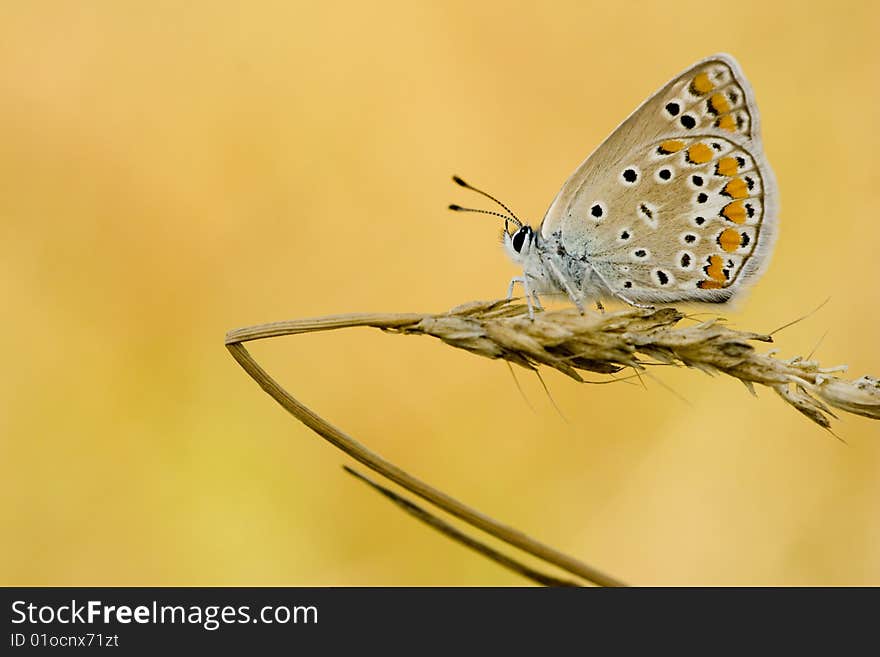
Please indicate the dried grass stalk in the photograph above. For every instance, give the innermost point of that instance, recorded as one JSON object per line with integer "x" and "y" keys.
{"x": 460, "y": 537}
{"x": 570, "y": 343}
{"x": 374, "y": 461}
{"x": 606, "y": 343}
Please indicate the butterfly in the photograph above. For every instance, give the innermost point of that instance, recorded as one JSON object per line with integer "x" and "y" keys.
{"x": 677, "y": 204}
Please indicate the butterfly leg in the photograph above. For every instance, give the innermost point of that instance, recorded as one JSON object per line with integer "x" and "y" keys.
{"x": 529, "y": 295}
{"x": 635, "y": 304}
{"x": 537, "y": 301}
{"x": 575, "y": 299}
{"x": 513, "y": 282}
{"x": 620, "y": 296}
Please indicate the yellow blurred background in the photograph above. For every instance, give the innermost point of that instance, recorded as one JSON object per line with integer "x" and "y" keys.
{"x": 174, "y": 170}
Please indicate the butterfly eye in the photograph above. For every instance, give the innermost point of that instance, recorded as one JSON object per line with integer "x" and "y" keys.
{"x": 519, "y": 239}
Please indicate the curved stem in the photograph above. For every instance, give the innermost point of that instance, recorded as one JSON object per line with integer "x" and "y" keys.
{"x": 373, "y": 460}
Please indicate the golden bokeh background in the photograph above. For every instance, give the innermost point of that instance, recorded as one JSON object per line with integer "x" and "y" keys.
{"x": 174, "y": 170}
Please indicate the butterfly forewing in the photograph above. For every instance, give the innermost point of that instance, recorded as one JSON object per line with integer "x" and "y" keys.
{"x": 678, "y": 203}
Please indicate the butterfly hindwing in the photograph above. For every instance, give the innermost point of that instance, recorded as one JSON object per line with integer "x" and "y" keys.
{"x": 691, "y": 222}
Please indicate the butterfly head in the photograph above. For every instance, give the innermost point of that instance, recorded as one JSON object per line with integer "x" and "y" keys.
{"x": 519, "y": 245}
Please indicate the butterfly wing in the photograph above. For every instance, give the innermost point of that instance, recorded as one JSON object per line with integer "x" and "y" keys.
{"x": 678, "y": 203}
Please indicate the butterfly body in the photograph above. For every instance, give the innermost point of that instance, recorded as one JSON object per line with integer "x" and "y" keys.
{"x": 550, "y": 270}
{"x": 677, "y": 204}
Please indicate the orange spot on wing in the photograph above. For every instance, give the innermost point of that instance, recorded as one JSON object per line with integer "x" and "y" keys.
{"x": 699, "y": 153}
{"x": 730, "y": 240}
{"x": 727, "y": 122}
{"x": 701, "y": 84}
{"x": 709, "y": 285}
{"x": 715, "y": 269}
{"x": 671, "y": 146}
{"x": 735, "y": 212}
{"x": 736, "y": 188}
{"x": 727, "y": 166}
{"x": 718, "y": 104}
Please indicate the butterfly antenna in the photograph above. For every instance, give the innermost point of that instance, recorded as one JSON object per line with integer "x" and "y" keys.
{"x": 462, "y": 183}
{"x": 458, "y": 208}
